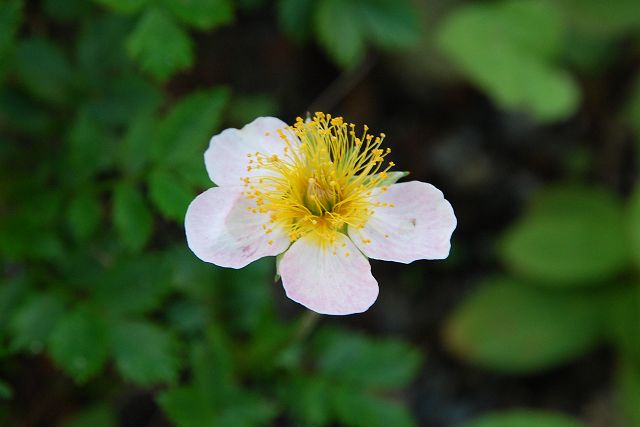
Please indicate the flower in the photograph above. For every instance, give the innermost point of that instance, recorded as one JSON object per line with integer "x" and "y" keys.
{"x": 323, "y": 198}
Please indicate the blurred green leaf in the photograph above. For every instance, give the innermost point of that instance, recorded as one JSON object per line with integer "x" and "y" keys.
{"x": 5, "y": 390}
{"x": 602, "y": 19}
{"x": 136, "y": 146}
{"x": 524, "y": 418}
{"x": 187, "y": 407}
{"x": 295, "y": 17}
{"x": 364, "y": 362}
{"x": 144, "y": 353}
{"x": 185, "y": 131}
{"x": 97, "y": 416}
{"x": 43, "y": 69}
{"x": 390, "y": 24}
{"x": 66, "y": 10}
{"x": 34, "y": 320}
{"x": 633, "y": 222}
{"x": 83, "y": 214}
{"x": 90, "y": 148}
{"x": 170, "y": 195}
{"x": 131, "y": 216}
{"x": 20, "y": 113}
{"x": 133, "y": 285}
{"x": 510, "y": 49}
{"x": 160, "y": 45}
{"x": 623, "y": 320}
{"x": 247, "y": 410}
{"x": 339, "y": 31}
{"x": 10, "y": 19}
{"x": 628, "y": 390}
{"x": 308, "y": 400}
{"x": 79, "y": 345}
{"x": 124, "y": 6}
{"x": 508, "y": 327}
{"x": 201, "y": 14}
{"x": 11, "y": 294}
{"x": 356, "y": 409}
{"x": 571, "y": 237}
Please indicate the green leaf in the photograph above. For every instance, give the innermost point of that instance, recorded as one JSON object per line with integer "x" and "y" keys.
{"x": 11, "y": 294}
{"x": 137, "y": 144}
{"x": 508, "y": 327}
{"x": 356, "y": 409}
{"x": 83, "y": 214}
{"x": 124, "y": 6}
{"x": 628, "y": 390}
{"x": 67, "y": 10}
{"x": 134, "y": 286}
{"x": 79, "y": 345}
{"x": 131, "y": 216}
{"x": 33, "y": 321}
{"x": 144, "y": 353}
{"x": 571, "y": 237}
{"x": 365, "y": 362}
{"x": 601, "y": 19}
{"x": 90, "y": 148}
{"x": 340, "y": 32}
{"x": 160, "y": 45}
{"x": 245, "y": 108}
{"x": 5, "y": 390}
{"x": 509, "y": 49}
{"x": 295, "y": 18}
{"x": 43, "y": 69}
{"x": 633, "y": 221}
{"x": 201, "y": 14}
{"x": 308, "y": 400}
{"x": 524, "y": 418}
{"x": 247, "y": 410}
{"x": 622, "y": 312}
{"x": 10, "y": 19}
{"x": 187, "y": 407}
{"x": 97, "y": 416}
{"x": 391, "y": 24}
{"x": 185, "y": 131}
{"x": 169, "y": 195}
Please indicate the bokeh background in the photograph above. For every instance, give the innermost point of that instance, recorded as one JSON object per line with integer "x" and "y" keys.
{"x": 525, "y": 113}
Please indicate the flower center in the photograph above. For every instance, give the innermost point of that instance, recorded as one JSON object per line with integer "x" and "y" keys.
{"x": 323, "y": 181}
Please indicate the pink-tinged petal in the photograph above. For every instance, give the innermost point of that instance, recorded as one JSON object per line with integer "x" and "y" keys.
{"x": 226, "y": 158}
{"x": 413, "y": 221}
{"x": 221, "y": 230}
{"x": 328, "y": 279}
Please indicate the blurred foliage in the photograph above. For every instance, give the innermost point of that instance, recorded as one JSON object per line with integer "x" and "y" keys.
{"x": 100, "y": 154}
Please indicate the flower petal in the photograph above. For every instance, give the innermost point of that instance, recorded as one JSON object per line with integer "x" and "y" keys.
{"x": 221, "y": 230}
{"x": 417, "y": 224}
{"x": 328, "y": 279}
{"x": 226, "y": 158}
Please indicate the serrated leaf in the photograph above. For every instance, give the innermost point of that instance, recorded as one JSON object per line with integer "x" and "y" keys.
{"x": 32, "y": 322}
{"x": 83, "y": 214}
{"x": 495, "y": 45}
{"x": 571, "y": 237}
{"x": 124, "y": 6}
{"x": 524, "y": 418}
{"x": 201, "y": 14}
{"x": 340, "y": 32}
{"x": 133, "y": 285}
{"x": 356, "y": 409}
{"x": 144, "y": 353}
{"x": 79, "y": 345}
{"x": 509, "y": 327}
{"x": 160, "y": 45}
{"x": 131, "y": 216}
{"x": 365, "y": 362}
{"x": 185, "y": 131}
{"x": 43, "y": 69}
{"x": 169, "y": 195}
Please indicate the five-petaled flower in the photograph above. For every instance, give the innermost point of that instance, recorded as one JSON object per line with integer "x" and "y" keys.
{"x": 321, "y": 195}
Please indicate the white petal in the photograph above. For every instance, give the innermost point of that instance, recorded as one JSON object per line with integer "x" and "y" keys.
{"x": 418, "y": 225}
{"x": 226, "y": 158}
{"x": 221, "y": 230}
{"x": 328, "y": 279}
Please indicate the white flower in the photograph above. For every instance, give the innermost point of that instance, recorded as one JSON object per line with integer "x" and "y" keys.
{"x": 319, "y": 194}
